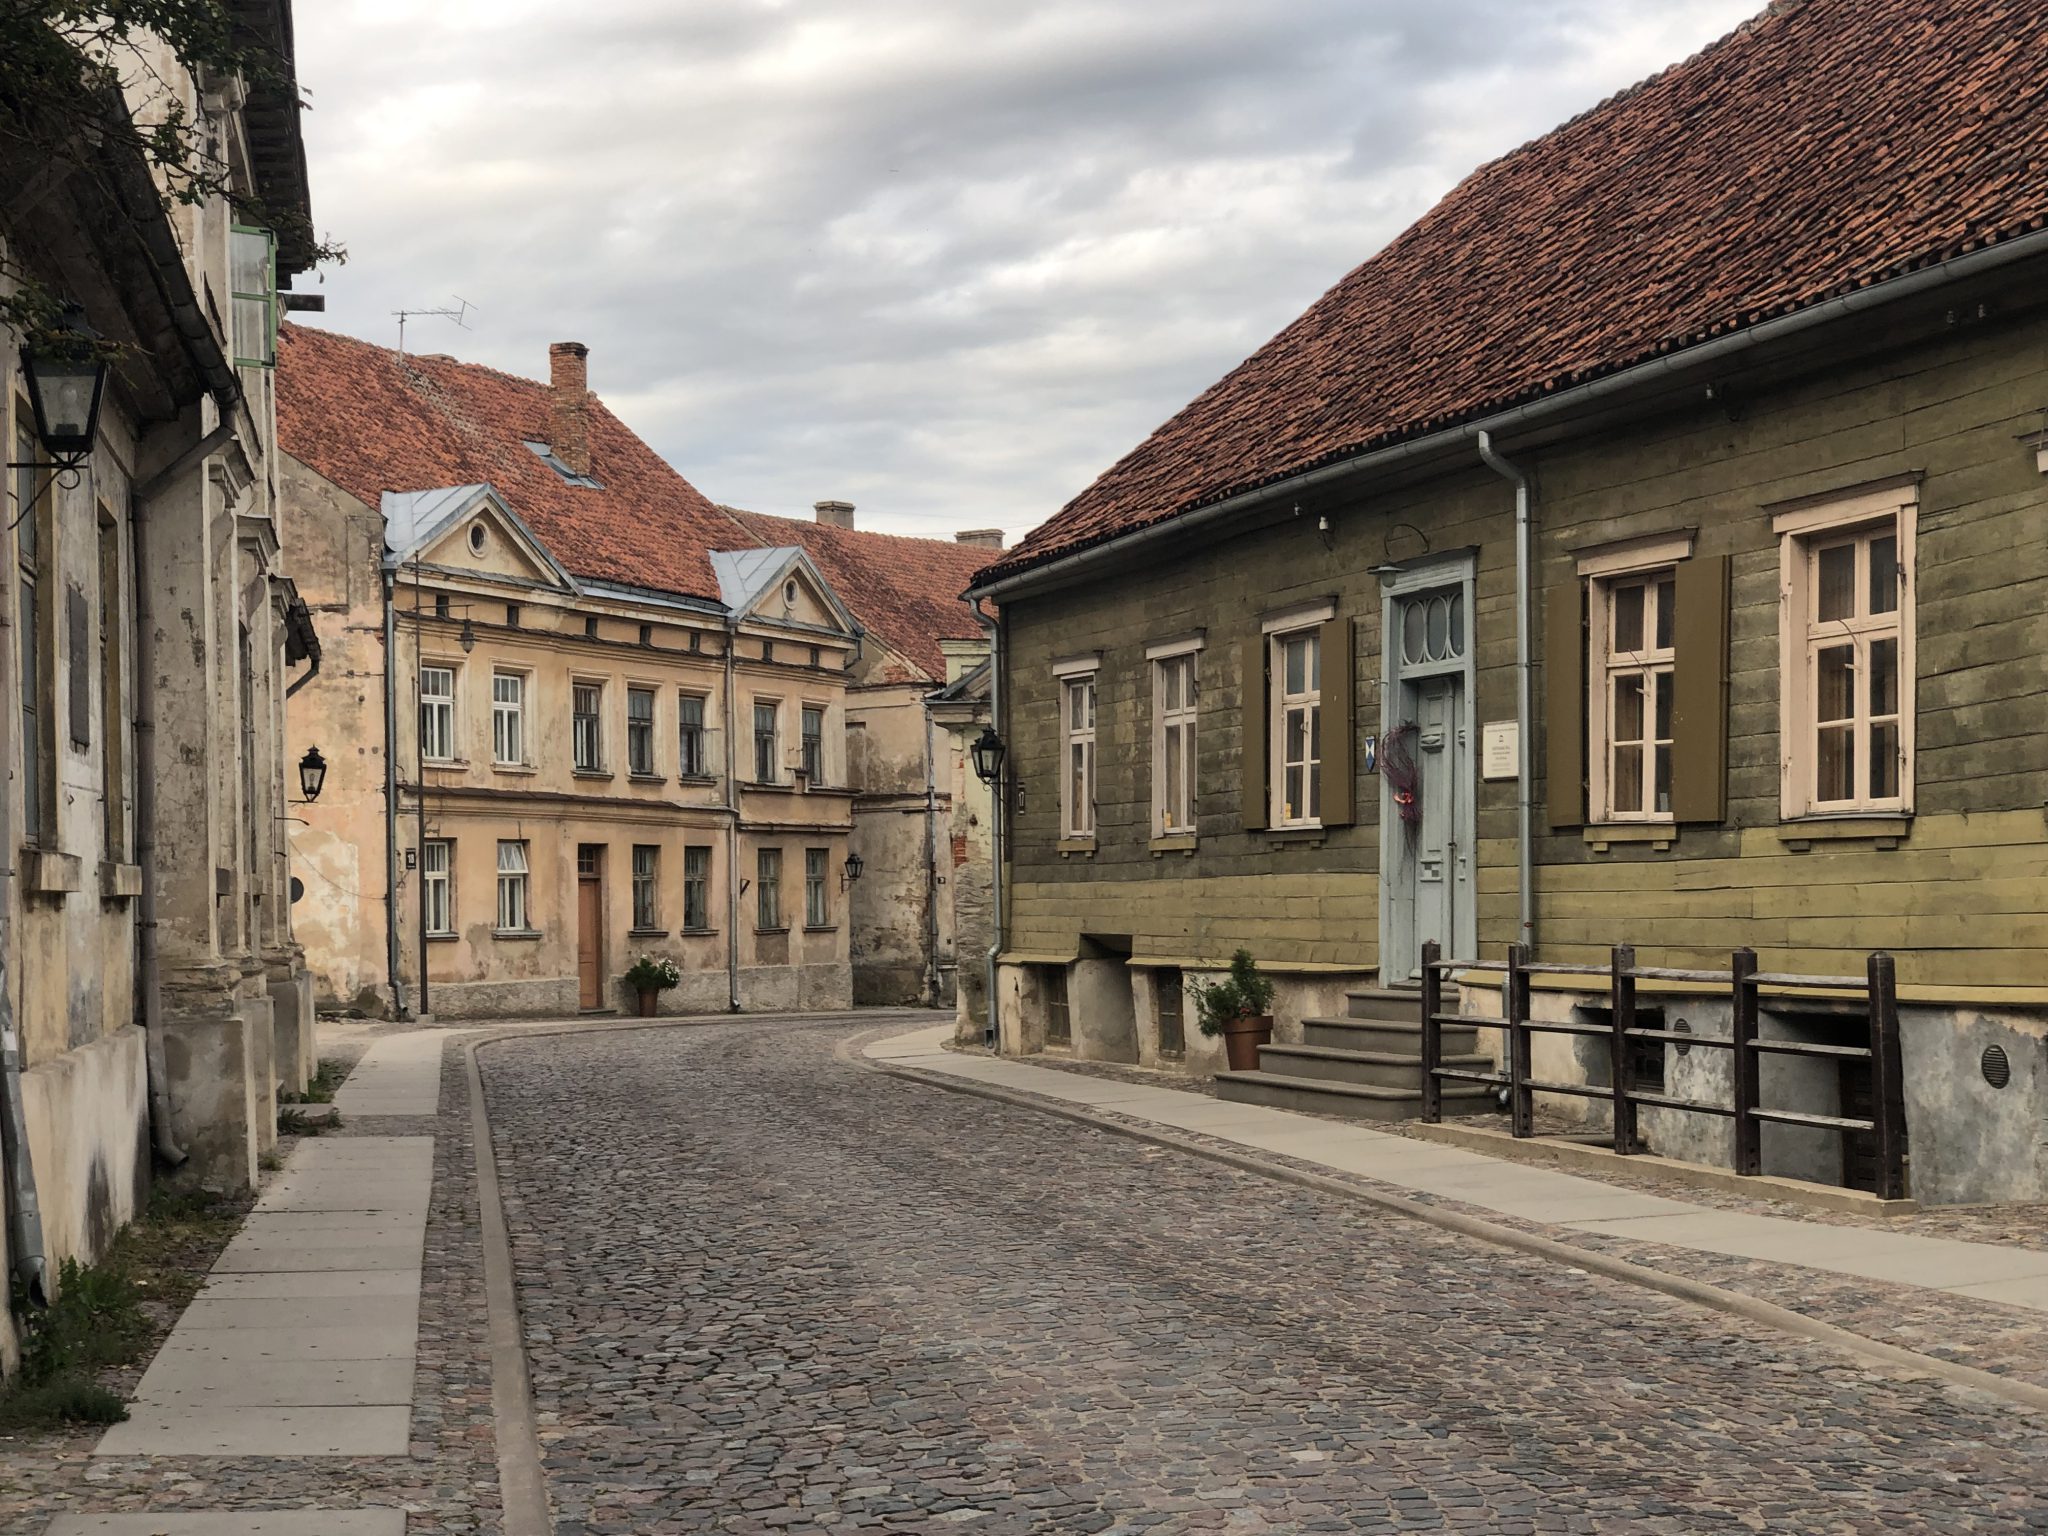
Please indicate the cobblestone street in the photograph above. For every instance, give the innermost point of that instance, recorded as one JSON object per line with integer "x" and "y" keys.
{"x": 765, "y": 1289}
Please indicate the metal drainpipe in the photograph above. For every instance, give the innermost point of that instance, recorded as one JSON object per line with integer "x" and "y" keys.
{"x": 1525, "y": 889}
{"x": 151, "y": 979}
{"x": 991, "y": 1034}
{"x": 391, "y": 798}
{"x": 931, "y": 868}
{"x": 732, "y": 806}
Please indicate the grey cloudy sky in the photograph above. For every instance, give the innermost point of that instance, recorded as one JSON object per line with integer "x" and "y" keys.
{"x": 946, "y": 260}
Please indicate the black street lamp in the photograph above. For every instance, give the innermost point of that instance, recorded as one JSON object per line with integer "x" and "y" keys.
{"x": 66, "y": 376}
{"x": 988, "y": 752}
{"x": 312, "y": 774}
{"x": 856, "y": 866}
{"x": 468, "y": 637}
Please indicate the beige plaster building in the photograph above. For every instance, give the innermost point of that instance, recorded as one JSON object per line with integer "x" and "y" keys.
{"x": 579, "y": 715}
{"x": 152, "y": 630}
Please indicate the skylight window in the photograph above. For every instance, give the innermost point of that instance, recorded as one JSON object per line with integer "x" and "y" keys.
{"x": 547, "y": 456}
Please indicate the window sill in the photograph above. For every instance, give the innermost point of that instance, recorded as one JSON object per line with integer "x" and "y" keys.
{"x": 1659, "y": 835}
{"x": 1882, "y": 830}
{"x": 646, "y": 933}
{"x": 698, "y": 933}
{"x": 446, "y": 938}
{"x": 1069, "y": 846}
{"x": 51, "y": 873}
{"x": 446, "y": 764}
{"x": 770, "y": 932}
{"x": 516, "y": 934}
{"x": 767, "y": 787}
{"x": 646, "y": 778}
{"x": 119, "y": 882}
{"x": 525, "y": 768}
{"x": 1284, "y": 837}
{"x": 1173, "y": 842}
{"x": 592, "y": 773}
{"x": 821, "y": 927}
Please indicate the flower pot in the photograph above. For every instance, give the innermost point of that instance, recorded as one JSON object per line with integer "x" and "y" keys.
{"x": 1242, "y": 1038}
{"x": 648, "y": 1000}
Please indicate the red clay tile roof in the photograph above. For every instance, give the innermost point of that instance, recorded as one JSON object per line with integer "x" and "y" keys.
{"x": 371, "y": 424}
{"x": 1821, "y": 147}
{"x": 907, "y": 591}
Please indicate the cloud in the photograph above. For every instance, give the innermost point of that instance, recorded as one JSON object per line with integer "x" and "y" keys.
{"x": 946, "y": 261}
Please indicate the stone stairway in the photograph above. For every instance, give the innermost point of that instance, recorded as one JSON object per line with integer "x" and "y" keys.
{"x": 1367, "y": 1066}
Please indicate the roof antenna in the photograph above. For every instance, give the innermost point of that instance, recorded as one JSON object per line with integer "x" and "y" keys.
{"x": 460, "y": 316}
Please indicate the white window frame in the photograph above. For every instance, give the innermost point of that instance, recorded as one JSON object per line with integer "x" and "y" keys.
{"x": 594, "y": 731}
{"x": 1077, "y": 685}
{"x": 1180, "y": 722}
{"x": 1606, "y": 569}
{"x": 515, "y": 889}
{"x": 1282, "y": 629}
{"x": 439, "y": 706}
{"x": 1803, "y": 531}
{"x": 437, "y": 880}
{"x": 508, "y": 719}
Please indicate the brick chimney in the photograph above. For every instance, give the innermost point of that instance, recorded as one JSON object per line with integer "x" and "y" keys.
{"x": 981, "y": 538}
{"x": 834, "y": 514}
{"x": 569, "y": 371}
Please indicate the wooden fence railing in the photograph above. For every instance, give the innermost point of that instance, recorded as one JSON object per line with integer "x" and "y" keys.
{"x": 1745, "y": 986}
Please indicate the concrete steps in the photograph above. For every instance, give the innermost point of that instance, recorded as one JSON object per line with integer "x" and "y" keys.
{"x": 1366, "y": 1066}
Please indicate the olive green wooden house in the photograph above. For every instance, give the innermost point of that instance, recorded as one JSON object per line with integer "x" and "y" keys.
{"x": 1760, "y": 373}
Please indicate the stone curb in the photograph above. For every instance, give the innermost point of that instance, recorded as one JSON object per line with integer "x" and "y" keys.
{"x": 1900, "y": 1362}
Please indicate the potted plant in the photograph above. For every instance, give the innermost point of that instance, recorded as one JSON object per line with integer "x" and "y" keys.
{"x": 649, "y": 977}
{"x": 1239, "y": 1008}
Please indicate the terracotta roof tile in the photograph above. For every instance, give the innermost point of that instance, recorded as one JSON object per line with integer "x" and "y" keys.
{"x": 372, "y": 422}
{"x": 1823, "y": 146}
{"x": 905, "y": 590}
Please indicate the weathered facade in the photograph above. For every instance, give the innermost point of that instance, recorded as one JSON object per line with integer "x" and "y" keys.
{"x": 584, "y": 769}
{"x": 961, "y": 711}
{"x": 1781, "y": 604}
{"x": 145, "y": 920}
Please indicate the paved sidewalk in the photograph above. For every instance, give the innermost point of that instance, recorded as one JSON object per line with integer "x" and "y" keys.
{"x": 2016, "y": 1277}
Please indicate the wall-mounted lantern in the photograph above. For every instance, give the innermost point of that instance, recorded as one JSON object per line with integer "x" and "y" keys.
{"x": 988, "y": 752}
{"x": 65, "y": 373}
{"x": 312, "y": 774}
{"x": 856, "y": 866}
{"x": 468, "y": 637}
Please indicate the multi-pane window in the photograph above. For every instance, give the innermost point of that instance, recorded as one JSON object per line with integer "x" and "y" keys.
{"x": 513, "y": 912}
{"x": 1297, "y": 661}
{"x": 1077, "y": 779}
{"x": 696, "y": 889}
{"x": 690, "y": 735}
{"x": 1637, "y": 618}
{"x": 640, "y": 730}
{"x": 436, "y": 868}
{"x": 28, "y": 620}
{"x": 586, "y": 725}
{"x": 817, "y": 906}
{"x": 508, "y": 718}
{"x": 1852, "y": 660}
{"x": 814, "y": 743}
{"x": 765, "y": 756}
{"x": 252, "y": 280}
{"x": 646, "y": 886}
{"x": 1173, "y": 743}
{"x": 437, "y": 714}
{"x": 768, "y": 889}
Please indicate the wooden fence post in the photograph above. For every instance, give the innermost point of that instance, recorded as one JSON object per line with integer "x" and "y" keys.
{"x": 1749, "y": 1157}
{"x": 1515, "y": 1001}
{"x": 1888, "y": 1077}
{"x": 1622, "y": 1003}
{"x": 1432, "y": 1034}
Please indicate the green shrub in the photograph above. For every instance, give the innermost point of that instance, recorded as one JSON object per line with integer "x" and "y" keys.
{"x": 1243, "y": 994}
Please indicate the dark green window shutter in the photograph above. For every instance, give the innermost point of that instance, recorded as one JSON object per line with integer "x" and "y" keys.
{"x": 1339, "y": 639}
{"x": 1253, "y": 749}
{"x": 1699, "y": 691}
{"x": 1564, "y": 705}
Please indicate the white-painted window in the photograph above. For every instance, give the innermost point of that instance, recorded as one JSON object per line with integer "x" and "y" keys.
{"x": 508, "y": 719}
{"x": 1297, "y": 727}
{"x": 437, "y": 714}
{"x": 1077, "y": 783}
{"x": 1634, "y": 618}
{"x": 513, "y": 876}
{"x": 437, "y": 863}
{"x": 1847, "y": 655}
{"x": 1175, "y": 686}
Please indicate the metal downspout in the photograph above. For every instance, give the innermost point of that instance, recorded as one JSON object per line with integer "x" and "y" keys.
{"x": 991, "y": 1034}
{"x": 1525, "y": 890}
{"x": 931, "y": 868}
{"x": 391, "y": 799}
{"x": 732, "y": 806}
{"x": 151, "y": 979}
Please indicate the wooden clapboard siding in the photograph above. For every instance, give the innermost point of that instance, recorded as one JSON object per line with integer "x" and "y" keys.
{"x": 1961, "y": 898}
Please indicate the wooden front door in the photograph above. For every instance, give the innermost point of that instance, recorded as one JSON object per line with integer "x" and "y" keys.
{"x": 590, "y": 925}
